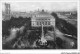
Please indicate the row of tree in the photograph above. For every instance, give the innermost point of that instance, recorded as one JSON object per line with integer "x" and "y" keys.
{"x": 14, "y": 22}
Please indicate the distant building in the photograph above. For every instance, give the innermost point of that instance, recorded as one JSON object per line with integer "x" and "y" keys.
{"x": 7, "y": 11}
{"x": 42, "y": 17}
{"x": 20, "y": 14}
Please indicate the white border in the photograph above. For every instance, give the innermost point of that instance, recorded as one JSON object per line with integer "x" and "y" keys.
{"x": 39, "y": 51}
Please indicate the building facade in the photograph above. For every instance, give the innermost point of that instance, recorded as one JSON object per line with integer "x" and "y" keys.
{"x": 20, "y": 14}
{"x": 44, "y": 18}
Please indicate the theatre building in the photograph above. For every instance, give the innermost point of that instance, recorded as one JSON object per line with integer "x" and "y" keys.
{"x": 44, "y": 18}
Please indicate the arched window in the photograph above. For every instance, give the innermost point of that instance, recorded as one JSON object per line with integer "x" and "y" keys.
{"x": 40, "y": 23}
{"x": 48, "y": 23}
{"x": 45, "y": 23}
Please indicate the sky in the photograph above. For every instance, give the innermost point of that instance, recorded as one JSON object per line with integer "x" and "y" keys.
{"x": 50, "y": 6}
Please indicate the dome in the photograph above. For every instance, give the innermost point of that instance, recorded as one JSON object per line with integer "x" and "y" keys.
{"x": 42, "y": 14}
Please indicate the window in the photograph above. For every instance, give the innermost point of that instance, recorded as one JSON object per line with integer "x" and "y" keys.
{"x": 40, "y": 23}
{"x": 48, "y": 19}
{"x": 37, "y": 23}
{"x": 48, "y": 23}
{"x": 33, "y": 23}
{"x": 45, "y": 19}
{"x": 45, "y": 23}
